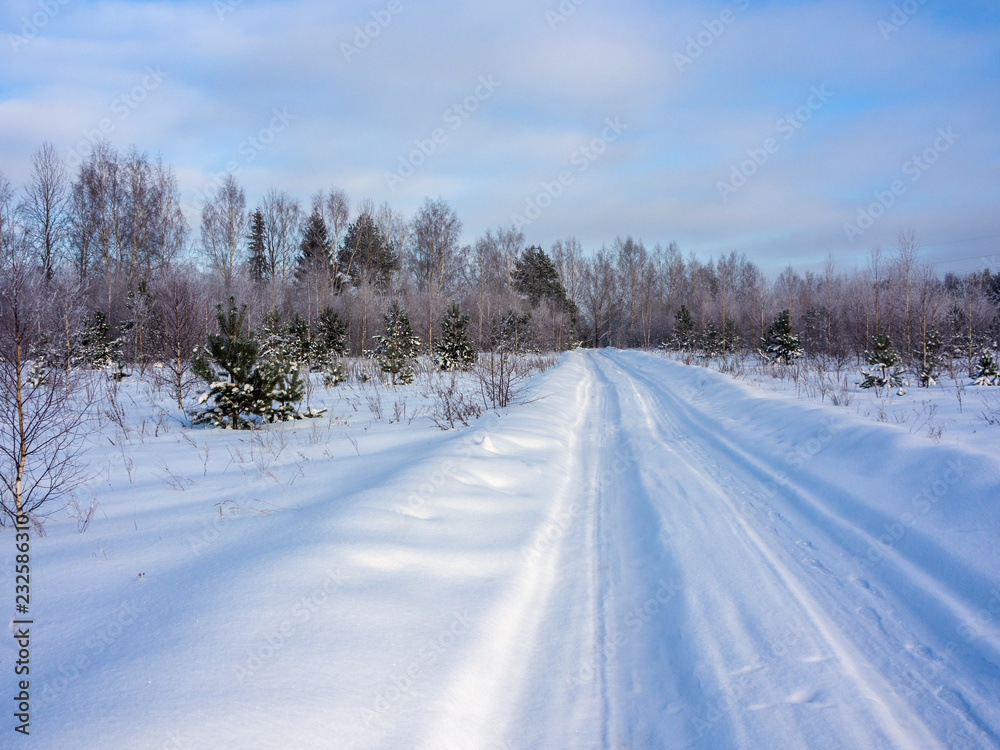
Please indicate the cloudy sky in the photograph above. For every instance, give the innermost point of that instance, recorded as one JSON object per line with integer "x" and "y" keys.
{"x": 789, "y": 130}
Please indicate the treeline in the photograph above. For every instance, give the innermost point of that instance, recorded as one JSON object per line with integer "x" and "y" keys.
{"x": 120, "y": 263}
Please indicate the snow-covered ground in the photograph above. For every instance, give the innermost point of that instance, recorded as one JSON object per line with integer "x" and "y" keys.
{"x": 650, "y": 555}
{"x": 953, "y": 410}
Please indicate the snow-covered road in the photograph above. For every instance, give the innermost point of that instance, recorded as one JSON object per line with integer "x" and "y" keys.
{"x": 702, "y": 580}
{"x": 649, "y": 556}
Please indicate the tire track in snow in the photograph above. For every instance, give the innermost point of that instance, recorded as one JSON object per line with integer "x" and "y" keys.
{"x": 895, "y": 717}
{"x": 910, "y": 585}
{"x": 493, "y": 675}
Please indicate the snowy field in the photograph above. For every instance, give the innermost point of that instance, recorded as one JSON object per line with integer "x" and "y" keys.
{"x": 648, "y": 555}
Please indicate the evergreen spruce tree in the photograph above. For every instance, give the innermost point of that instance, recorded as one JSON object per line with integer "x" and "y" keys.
{"x": 731, "y": 340}
{"x": 367, "y": 255}
{"x": 258, "y": 265}
{"x": 928, "y": 367}
{"x": 227, "y": 363}
{"x": 273, "y": 344}
{"x": 683, "y": 338}
{"x": 287, "y": 390}
{"x": 315, "y": 252}
{"x": 300, "y": 345}
{"x": 328, "y": 345}
{"x": 814, "y": 328}
{"x": 711, "y": 340}
{"x": 396, "y": 349}
{"x": 331, "y": 333}
{"x": 97, "y": 350}
{"x": 243, "y": 387}
{"x": 454, "y": 350}
{"x": 987, "y": 372}
{"x": 286, "y": 342}
{"x": 536, "y": 277}
{"x": 884, "y": 360}
{"x": 780, "y": 345}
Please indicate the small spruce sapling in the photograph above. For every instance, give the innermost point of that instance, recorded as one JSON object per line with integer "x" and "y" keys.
{"x": 329, "y": 344}
{"x": 454, "y": 350}
{"x": 780, "y": 345}
{"x": 683, "y": 338}
{"x": 243, "y": 387}
{"x": 928, "y": 368}
{"x": 884, "y": 361}
{"x": 711, "y": 340}
{"x": 396, "y": 349}
{"x": 987, "y": 372}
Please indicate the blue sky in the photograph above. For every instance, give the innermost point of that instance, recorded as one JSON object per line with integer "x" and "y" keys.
{"x": 786, "y": 130}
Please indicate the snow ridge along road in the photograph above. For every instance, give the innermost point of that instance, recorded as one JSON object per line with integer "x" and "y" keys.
{"x": 649, "y": 555}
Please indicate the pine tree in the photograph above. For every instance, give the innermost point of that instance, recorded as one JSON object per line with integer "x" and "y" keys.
{"x": 928, "y": 368}
{"x": 315, "y": 252}
{"x": 885, "y": 359}
{"x": 367, "y": 256}
{"x": 683, "y": 338}
{"x": 814, "y": 330}
{"x": 227, "y": 363}
{"x": 780, "y": 345}
{"x": 711, "y": 340}
{"x": 97, "y": 350}
{"x": 141, "y": 330}
{"x": 455, "y": 350}
{"x": 396, "y": 349}
{"x": 987, "y": 373}
{"x": 242, "y": 387}
{"x": 300, "y": 345}
{"x": 272, "y": 339}
{"x": 287, "y": 390}
{"x": 328, "y": 345}
{"x": 286, "y": 342}
{"x": 536, "y": 277}
{"x": 731, "y": 340}
{"x": 258, "y": 264}
{"x": 331, "y": 333}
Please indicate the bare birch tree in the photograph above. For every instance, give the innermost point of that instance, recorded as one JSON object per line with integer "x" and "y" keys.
{"x": 41, "y": 421}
